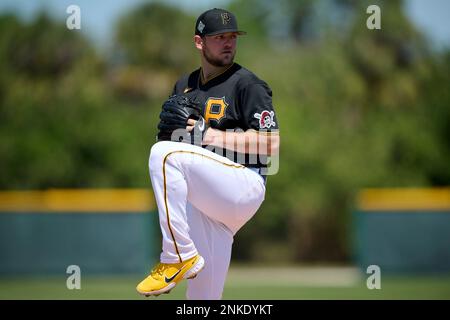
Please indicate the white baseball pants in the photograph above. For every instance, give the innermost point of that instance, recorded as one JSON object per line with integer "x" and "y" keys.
{"x": 203, "y": 199}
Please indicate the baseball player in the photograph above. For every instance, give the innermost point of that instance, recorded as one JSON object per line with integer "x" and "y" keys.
{"x": 206, "y": 179}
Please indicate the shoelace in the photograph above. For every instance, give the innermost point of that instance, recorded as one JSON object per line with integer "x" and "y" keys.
{"x": 159, "y": 269}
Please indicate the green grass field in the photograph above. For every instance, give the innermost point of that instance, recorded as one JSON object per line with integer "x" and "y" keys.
{"x": 243, "y": 283}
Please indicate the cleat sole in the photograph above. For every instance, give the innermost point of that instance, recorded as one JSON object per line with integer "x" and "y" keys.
{"x": 158, "y": 292}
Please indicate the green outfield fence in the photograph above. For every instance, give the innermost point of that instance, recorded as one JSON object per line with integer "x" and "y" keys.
{"x": 101, "y": 231}
{"x": 117, "y": 231}
{"x": 403, "y": 230}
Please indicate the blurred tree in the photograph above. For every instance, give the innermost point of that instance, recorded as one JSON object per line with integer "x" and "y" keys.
{"x": 385, "y": 57}
{"x": 153, "y": 47}
{"x": 268, "y": 20}
{"x": 157, "y": 36}
{"x": 59, "y": 126}
{"x": 253, "y": 17}
{"x": 434, "y": 113}
{"x": 34, "y": 53}
{"x": 299, "y": 13}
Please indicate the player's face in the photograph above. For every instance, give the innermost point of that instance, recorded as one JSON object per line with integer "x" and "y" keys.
{"x": 219, "y": 50}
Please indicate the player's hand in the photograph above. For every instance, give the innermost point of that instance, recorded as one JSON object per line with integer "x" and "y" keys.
{"x": 197, "y": 130}
{"x": 191, "y": 123}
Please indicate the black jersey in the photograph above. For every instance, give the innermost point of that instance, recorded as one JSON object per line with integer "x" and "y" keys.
{"x": 235, "y": 99}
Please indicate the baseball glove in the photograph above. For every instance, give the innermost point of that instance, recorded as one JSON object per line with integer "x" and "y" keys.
{"x": 173, "y": 120}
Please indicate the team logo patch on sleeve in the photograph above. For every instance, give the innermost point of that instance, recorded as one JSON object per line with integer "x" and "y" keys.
{"x": 265, "y": 119}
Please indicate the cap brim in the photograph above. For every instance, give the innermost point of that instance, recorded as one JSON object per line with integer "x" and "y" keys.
{"x": 239, "y": 32}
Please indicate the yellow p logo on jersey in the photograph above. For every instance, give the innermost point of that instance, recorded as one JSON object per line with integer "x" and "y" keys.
{"x": 215, "y": 109}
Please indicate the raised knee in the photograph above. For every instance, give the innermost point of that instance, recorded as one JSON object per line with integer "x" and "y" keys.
{"x": 157, "y": 154}
{"x": 157, "y": 150}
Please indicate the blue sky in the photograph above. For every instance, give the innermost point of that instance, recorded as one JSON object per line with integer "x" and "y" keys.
{"x": 97, "y": 17}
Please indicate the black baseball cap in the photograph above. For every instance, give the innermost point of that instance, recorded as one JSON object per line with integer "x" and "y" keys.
{"x": 215, "y": 21}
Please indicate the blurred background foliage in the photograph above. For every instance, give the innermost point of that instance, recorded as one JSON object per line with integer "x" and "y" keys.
{"x": 356, "y": 107}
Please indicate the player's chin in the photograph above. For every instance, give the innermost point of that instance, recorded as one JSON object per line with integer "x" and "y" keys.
{"x": 227, "y": 59}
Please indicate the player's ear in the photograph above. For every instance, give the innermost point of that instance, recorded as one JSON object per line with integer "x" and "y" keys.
{"x": 198, "y": 41}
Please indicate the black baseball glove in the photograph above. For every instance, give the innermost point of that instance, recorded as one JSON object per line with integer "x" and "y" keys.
{"x": 173, "y": 120}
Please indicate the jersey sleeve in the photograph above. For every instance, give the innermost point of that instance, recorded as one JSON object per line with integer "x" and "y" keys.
{"x": 177, "y": 88}
{"x": 256, "y": 107}
{"x": 181, "y": 84}
{"x": 174, "y": 90}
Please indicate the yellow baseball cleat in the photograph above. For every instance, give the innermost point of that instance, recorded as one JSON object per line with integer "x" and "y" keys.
{"x": 165, "y": 276}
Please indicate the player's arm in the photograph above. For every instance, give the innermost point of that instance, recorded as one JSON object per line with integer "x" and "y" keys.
{"x": 250, "y": 141}
{"x": 257, "y": 114}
